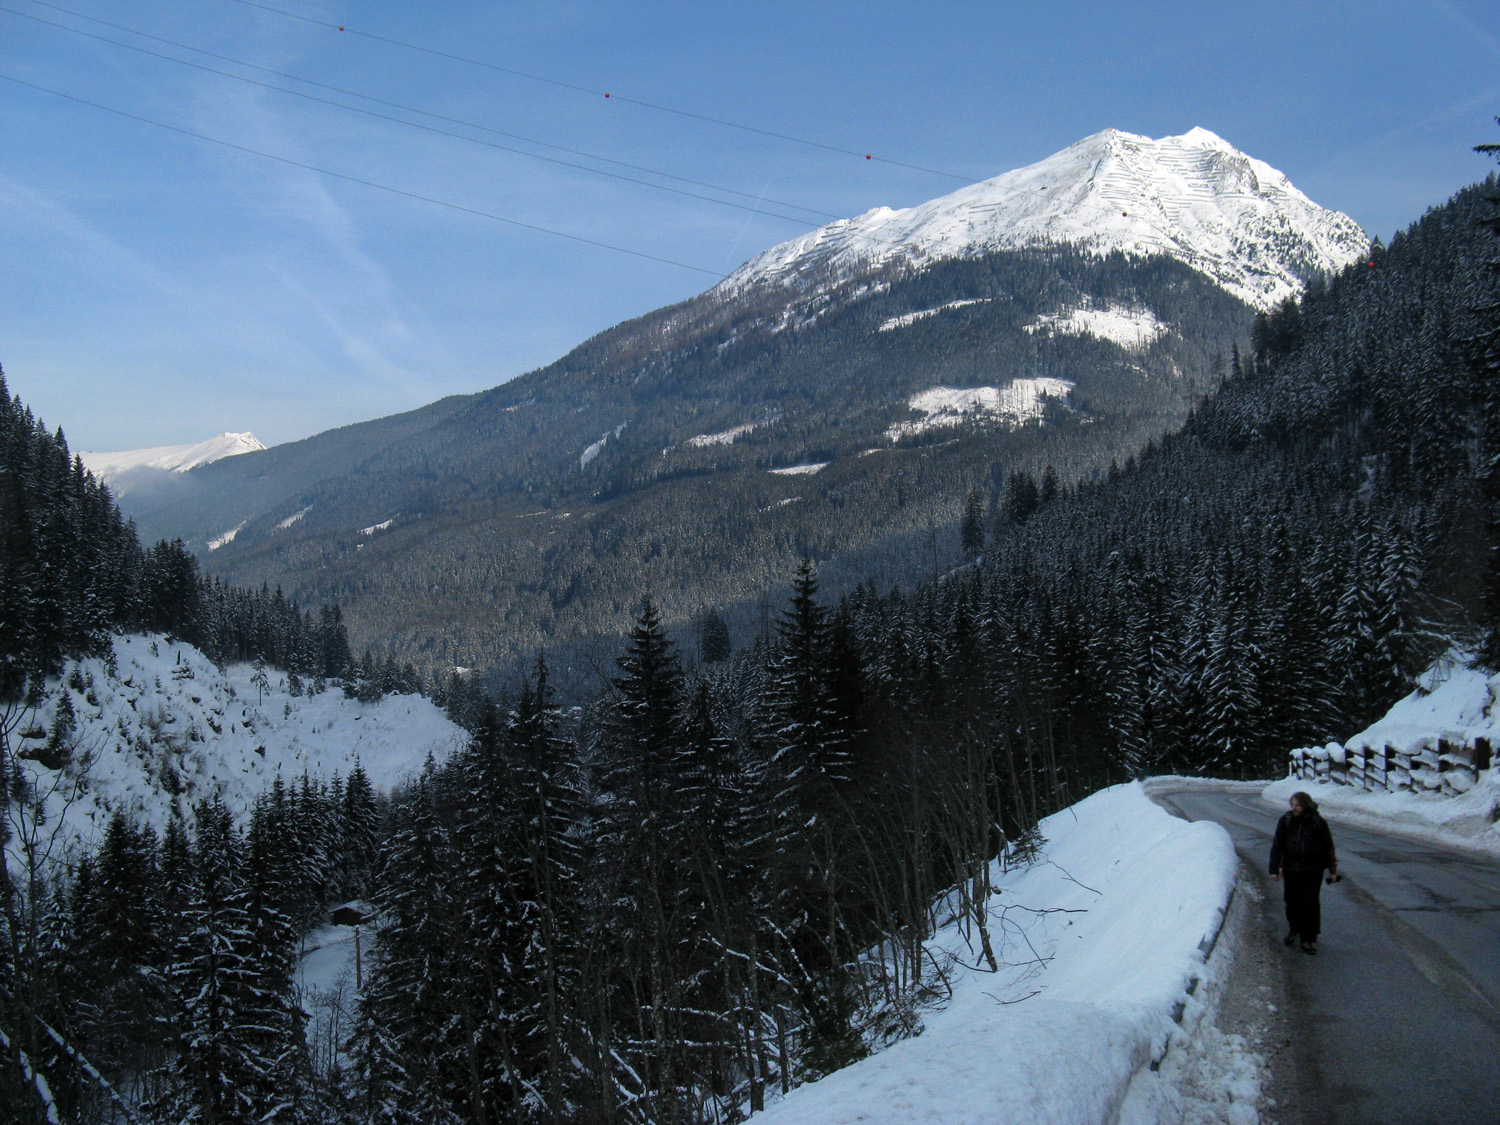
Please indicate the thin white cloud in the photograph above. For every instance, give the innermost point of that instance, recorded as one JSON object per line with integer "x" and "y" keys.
{"x": 1473, "y": 30}
{"x": 100, "y": 255}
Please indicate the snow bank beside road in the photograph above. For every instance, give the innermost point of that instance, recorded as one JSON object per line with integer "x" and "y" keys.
{"x": 1100, "y": 944}
{"x": 1452, "y": 703}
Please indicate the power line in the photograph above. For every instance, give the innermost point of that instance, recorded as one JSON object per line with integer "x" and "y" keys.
{"x": 410, "y": 109}
{"x": 602, "y": 93}
{"x": 404, "y": 107}
{"x": 362, "y": 182}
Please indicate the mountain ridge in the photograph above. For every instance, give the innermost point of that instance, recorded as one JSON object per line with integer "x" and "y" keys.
{"x": 170, "y": 458}
{"x": 1237, "y": 219}
{"x": 534, "y": 514}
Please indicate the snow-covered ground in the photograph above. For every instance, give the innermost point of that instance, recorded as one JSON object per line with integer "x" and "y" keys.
{"x": 723, "y": 437}
{"x": 922, "y": 314}
{"x": 800, "y": 470}
{"x": 1102, "y": 942}
{"x": 228, "y": 537}
{"x": 170, "y": 458}
{"x": 1019, "y": 402}
{"x": 1452, "y": 703}
{"x": 291, "y": 519}
{"x": 1070, "y": 1029}
{"x": 168, "y": 719}
{"x": 1193, "y": 197}
{"x": 330, "y": 974}
{"x": 1133, "y": 329}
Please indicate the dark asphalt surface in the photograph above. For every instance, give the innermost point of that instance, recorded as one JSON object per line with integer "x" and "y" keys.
{"x": 1398, "y": 1013}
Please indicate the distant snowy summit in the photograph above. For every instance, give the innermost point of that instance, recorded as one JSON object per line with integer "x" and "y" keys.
{"x": 169, "y": 458}
{"x": 1195, "y": 198}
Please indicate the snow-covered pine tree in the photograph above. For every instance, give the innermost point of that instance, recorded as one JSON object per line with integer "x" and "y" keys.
{"x": 638, "y": 827}
{"x": 116, "y": 954}
{"x": 409, "y": 1059}
{"x": 358, "y": 833}
{"x": 971, "y": 526}
{"x": 545, "y": 990}
{"x": 234, "y": 1021}
{"x": 808, "y": 772}
{"x": 719, "y": 925}
{"x": 1484, "y": 361}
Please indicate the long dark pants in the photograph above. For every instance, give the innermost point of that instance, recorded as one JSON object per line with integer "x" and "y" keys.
{"x": 1303, "y": 915}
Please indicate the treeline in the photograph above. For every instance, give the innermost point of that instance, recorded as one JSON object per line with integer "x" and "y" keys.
{"x": 504, "y": 541}
{"x": 73, "y": 573}
{"x": 158, "y": 981}
{"x": 712, "y": 888}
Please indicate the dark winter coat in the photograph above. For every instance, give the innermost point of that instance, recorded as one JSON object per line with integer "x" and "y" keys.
{"x": 1302, "y": 843}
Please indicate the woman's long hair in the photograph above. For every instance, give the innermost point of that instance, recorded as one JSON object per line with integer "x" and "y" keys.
{"x": 1307, "y": 803}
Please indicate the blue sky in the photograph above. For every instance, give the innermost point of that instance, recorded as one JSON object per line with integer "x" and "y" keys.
{"x": 159, "y": 288}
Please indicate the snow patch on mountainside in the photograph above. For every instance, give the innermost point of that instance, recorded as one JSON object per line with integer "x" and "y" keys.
{"x": 168, "y": 720}
{"x": 1023, "y": 401}
{"x": 286, "y": 523}
{"x": 170, "y": 458}
{"x": 374, "y": 527}
{"x": 1133, "y": 329}
{"x": 228, "y": 537}
{"x": 922, "y": 314}
{"x": 1195, "y": 198}
{"x": 723, "y": 437}
{"x": 592, "y": 451}
{"x": 597, "y": 447}
{"x": 800, "y": 470}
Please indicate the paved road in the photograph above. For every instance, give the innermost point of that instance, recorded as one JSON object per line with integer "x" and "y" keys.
{"x": 1399, "y": 1011}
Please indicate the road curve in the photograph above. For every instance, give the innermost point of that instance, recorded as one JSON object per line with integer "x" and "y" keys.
{"x": 1397, "y": 1016}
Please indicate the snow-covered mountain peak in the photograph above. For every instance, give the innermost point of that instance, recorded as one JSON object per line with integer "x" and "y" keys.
{"x": 1195, "y": 198}
{"x": 170, "y": 458}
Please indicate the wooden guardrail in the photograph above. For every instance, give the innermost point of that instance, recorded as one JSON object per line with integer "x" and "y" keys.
{"x": 1443, "y": 768}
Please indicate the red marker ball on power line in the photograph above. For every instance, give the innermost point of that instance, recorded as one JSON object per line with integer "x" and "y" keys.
{"x": 341, "y": 29}
{"x": 606, "y": 95}
{"x": 868, "y": 156}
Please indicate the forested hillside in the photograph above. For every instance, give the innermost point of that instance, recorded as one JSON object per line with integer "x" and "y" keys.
{"x": 713, "y": 882}
{"x": 73, "y": 573}
{"x": 529, "y": 517}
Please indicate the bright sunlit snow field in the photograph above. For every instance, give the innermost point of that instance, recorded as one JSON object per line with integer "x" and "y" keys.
{"x": 1100, "y": 943}
{"x": 1195, "y": 198}
{"x": 169, "y": 719}
{"x": 1014, "y": 405}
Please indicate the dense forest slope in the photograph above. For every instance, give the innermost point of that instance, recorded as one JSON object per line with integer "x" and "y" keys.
{"x": 666, "y": 453}
{"x": 838, "y": 398}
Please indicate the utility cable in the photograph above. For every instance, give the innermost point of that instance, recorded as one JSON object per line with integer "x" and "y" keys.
{"x": 410, "y": 124}
{"x": 413, "y": 109}
{"x": 602, "y": 93}
{"x": 363, "y": 182}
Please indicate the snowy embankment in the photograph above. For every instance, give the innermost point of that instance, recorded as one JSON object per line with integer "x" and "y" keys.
{"x": 1453, "y": 704}
{"x": 1101, "y": 942}
{"x": 168, "y": 721}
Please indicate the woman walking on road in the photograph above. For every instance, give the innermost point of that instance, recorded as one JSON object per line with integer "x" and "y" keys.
{"x": 1301, "y": 851}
